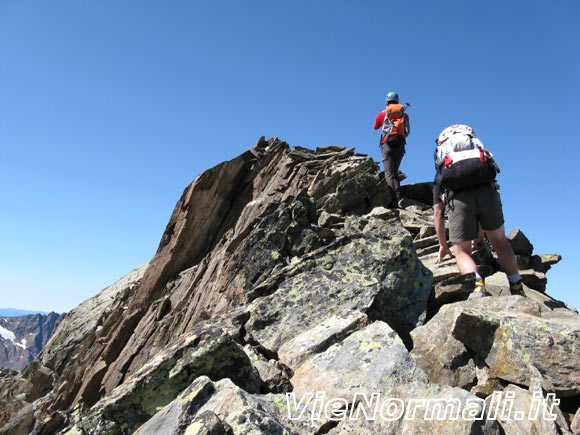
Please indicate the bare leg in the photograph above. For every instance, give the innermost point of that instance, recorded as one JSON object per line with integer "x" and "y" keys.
{"x": 504, "y": 251}
{"x": 463, "y": 257}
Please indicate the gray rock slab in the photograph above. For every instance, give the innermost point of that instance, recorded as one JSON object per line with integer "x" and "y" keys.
{"x": 512, "y": 343}
{"x": 522, "y": 405}
{"x": 215, "y": 407}
{"x": 417, "y": 408}
{"x": 498, "y": 284}
{"x": 368, "y": 361}
{"x": 319, "y": 338}
{"x": 445, "y": 358}
{"x": 376, "y": 272}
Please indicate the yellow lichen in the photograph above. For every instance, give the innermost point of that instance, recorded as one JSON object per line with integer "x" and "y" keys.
{"x": 194, "y": 428}
{"x": 368, "y": 345}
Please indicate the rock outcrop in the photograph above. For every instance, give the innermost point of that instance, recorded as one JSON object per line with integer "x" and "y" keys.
{"x": 283, "y": 296}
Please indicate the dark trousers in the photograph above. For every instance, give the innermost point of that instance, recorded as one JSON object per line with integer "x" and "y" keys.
{"x": 393, "y": 151}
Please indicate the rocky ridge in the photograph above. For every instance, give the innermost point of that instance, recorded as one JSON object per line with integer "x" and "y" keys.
{"x": 282, "y": 271}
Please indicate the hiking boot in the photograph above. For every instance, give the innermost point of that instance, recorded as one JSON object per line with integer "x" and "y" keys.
{"x": 517, "y": 288}
{"x": 479, "y": 291}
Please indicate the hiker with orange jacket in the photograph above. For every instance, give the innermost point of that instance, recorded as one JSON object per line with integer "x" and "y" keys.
{"x": 395, "y": 128}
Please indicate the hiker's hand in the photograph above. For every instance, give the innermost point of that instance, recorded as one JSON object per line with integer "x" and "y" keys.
{"x": 443, "y": 252}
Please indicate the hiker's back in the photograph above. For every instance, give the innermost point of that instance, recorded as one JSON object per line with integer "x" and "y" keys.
{"x": 461, "y": 159}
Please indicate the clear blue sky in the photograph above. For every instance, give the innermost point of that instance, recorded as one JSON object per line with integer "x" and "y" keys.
{"x": 109, "y": 109}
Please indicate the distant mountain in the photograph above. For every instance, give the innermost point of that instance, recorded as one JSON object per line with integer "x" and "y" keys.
{"x": 13, "y": 312}
{"x": 23, "y": 337}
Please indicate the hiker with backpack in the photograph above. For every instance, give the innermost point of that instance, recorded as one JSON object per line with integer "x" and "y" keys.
{"x": 395, "y": 128}
{"x": 466, "y": 189}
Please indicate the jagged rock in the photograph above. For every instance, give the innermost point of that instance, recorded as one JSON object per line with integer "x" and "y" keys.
{"x": 533, "y": 279}
{"x": 182, "y": 414}
{"x": 22, "y": 423}
{"x": 518, "y": 419}
{"x": 346, "y": 186}
{"x": 319, "y": 338}
{"x": 520, "y": 243}
{"x": 446, "y": 359}
{"x": 220, "y": 407}
{"x": 208, "y": 349}
{"x": 210, "y": 260}
{"x": 451, "y": 290}
{"x": 512, "y": 342}
{"x": 41, "y": 380}
{"x": 80, "y": 323}
{"x": 330, "y": 148}
{"x": 13, "y": 390}
{"x": 368, "y": 361}
{"x": 553, "y": 309}
{"x": 374, "y": 271}
{"x": 423, "y": 409}
{"x": 543, "y": 262}
{"x": 274, "y": 375}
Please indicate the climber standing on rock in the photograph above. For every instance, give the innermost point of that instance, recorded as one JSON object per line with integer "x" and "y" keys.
{"x": 465, "y": 187}
{"x": 395, "y": 128}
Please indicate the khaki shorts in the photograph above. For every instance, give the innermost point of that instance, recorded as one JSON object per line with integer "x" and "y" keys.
{"x": 470, "y": 207}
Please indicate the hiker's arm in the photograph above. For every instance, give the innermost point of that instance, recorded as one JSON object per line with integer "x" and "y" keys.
{"x": 438, "y": 211}
{"x": 379, "y": 120}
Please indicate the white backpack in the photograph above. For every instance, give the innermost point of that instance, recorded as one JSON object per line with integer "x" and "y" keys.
{"x": 458, "y": 142}
{"x": 461, "y": 159}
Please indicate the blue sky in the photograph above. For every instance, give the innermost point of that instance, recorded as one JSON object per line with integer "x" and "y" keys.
{"x": 109, "y": 109}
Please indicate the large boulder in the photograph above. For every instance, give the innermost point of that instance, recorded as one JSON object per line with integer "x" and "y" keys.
{"x": 520, "y": 243}
{"x": 418, "y": 408}
{"x": 371, "y": 268}
{"x": 370, "y": 360}
{"x": 511, "y": 343}
{"x": 207, "y": 407}
{"x": 527, "y": 414}
{"x": 444, "y": 357}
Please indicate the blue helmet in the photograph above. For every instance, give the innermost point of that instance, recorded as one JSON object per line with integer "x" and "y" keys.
{"x": 392, "y": 97}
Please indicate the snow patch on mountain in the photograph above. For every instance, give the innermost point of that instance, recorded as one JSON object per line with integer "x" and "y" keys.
{"x": 6, "y": 334}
